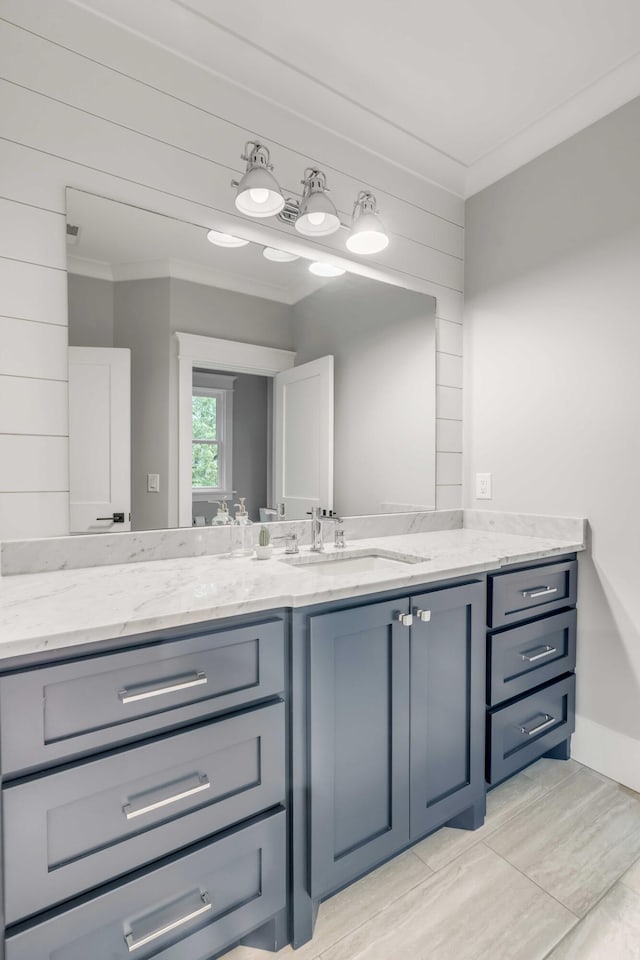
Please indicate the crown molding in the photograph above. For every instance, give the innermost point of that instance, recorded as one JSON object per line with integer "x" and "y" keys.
{"x": 595, "y": 102}
{"x": 193, "y": 273}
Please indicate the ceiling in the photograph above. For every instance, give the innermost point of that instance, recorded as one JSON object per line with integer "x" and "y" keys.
{"x": 487, "y": 84}
{"x": 121, "y": 242}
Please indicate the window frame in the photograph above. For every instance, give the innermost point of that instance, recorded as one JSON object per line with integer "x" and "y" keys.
{"x": 224, "y": 439}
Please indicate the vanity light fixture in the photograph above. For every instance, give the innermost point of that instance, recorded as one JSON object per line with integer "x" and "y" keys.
{"x": 323, "y": 269}
{"x": 318, "y": 216}
{"x": 279, "y": 256}
{"x": 367, "y": 232}
{"x": 258, "y": 193}
{"x": 225, "y": 239}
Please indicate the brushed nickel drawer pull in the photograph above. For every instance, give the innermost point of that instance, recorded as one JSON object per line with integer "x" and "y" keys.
{"x": 535, "y": 592}
{"x": 131, "y": 811}
{"x": 546, "y": 651}
{"x": 423, "y": 615}
{"x": 146, "y": 692}
{"x": 205, "y": 906}
{"x": 547, "y": 722}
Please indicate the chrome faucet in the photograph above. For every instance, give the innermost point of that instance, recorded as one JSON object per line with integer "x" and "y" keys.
{"x": 316, "y": 530}
{"x": 317, "y": 516}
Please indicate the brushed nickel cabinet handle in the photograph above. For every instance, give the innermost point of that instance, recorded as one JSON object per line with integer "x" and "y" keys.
{"x": 406, "y": 619}
{"x": 138, "y": 807}
{"x": 202, "y": 905}
{"x": 146, "y": 691}
{"x": 547, "y": 722}
{"x": 535, "y": 592}
{"x": 423, "y": 615}
{"x": 546, "y": 651}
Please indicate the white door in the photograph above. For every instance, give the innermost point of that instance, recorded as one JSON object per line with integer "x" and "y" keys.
{"x": 99, "y": 439}
{"x": 303, "y": 415}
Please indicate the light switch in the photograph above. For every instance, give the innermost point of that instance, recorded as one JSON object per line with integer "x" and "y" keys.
{"x": 153, "y": 483}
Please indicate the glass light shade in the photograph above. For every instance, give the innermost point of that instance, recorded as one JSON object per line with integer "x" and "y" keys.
{"x": 279, "y": 256}
{"x": 367, "y": 235}
{"x": 318, "y": 216}
{"x": 323, "y": 269}
{"x": 225, "y": 239}
{"x": 258, "y": 194}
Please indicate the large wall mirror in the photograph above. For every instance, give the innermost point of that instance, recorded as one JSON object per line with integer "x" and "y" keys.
{"x": 202, "y": 373}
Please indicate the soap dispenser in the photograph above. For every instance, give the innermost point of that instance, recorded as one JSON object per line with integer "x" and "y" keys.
{"x": 222, "y": 516}
{"x": 242, "y": 532}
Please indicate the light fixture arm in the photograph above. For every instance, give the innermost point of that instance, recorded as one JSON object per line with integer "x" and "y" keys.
{"x": 258, "y": 157}
{"x": 314, "y": 181}
{"x": 365, "y": 202}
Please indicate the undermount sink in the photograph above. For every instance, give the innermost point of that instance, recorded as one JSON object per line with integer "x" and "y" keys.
{"x": 334, "y": 564}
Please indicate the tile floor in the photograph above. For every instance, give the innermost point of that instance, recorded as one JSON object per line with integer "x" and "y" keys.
{"x": 553, "y": 873}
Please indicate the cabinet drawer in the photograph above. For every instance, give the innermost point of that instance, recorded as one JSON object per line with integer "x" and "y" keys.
{"x": 190, "y": 908}
{"x": 528, "y": 656}
{"x": 51, "y": 713}
{"x": 524, "y": 730}
{"x": 77, "y": 828}
{"x": 524, "y": 594}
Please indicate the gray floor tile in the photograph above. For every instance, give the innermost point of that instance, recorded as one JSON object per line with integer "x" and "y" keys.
{"x": 550, "y": 773}
{"x": 503, "y": 802}
{"x": 477, "y": 908}
{"x": 576, "y": 842}
{"x": 631, "y": 879}
{"x": 352, "y": 907}
{"x": 611, "y": 931}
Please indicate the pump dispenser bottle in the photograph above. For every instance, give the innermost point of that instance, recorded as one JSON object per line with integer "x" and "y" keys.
{"x": 242, "y": 532}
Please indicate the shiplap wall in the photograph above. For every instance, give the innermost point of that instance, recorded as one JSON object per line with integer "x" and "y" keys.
{"x": 86, "y": 104}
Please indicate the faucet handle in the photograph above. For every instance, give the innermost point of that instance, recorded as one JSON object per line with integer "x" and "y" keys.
{"x": 291, "y": 542}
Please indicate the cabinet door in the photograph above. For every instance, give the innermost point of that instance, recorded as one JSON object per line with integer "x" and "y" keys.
{"x": 359, "y": 741}
{"x": 447, "y": 705}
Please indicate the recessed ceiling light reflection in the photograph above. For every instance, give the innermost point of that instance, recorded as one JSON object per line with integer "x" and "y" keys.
{"x": 279, "y": 256}
{"x": 225, "y": 239}
{"x": 323, "y": 269}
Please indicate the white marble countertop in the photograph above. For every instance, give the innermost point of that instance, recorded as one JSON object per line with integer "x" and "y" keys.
{"x": 53, "y": 611}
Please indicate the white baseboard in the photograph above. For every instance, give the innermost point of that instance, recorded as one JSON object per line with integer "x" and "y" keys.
{"x": 611, "y": 753}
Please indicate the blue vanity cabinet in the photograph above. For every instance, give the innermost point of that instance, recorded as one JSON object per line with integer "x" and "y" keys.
{"x": 531, "y": 659}
{"x": 447, "y": 666}
{"x": 144, "y": 795}
{"x": 358, "y": 740}
{"x": 387, "y": 732}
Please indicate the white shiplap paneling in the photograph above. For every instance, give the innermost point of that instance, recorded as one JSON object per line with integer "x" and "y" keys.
{"x": 31, "y": 406}
{"x": 449, "y": 436}
{"x": 26, "y": 515}
{"x": 33, "y": 464}
{"x": 448, "y": 370}
{"x": 450, "y": 337}
{"x": 88, "y": 105}
{"x": 33, "y": 349}
{"x": 33, "y": 293}
{"x": 33, "y": 235}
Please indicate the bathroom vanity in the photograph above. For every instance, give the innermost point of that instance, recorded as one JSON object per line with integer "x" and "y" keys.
{"x": 208, "y": 778}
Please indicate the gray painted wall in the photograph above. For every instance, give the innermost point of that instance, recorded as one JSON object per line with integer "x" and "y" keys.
{"x": 383, "y": 341}
{"x": 142, "y": 324}
{"x": 91, "y": 311}
{"x": 552, "y": 405}
{"x": 213, "y": 312}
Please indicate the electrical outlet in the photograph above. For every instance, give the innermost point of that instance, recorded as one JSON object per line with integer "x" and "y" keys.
{"x": 153, "y": 483}
{"x": 483, "y": 486}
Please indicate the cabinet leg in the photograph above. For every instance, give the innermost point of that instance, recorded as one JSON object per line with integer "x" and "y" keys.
{"x": 471, "y": 818}
{"x": 272, "y": 935}
{"x": 561, "y": 752}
